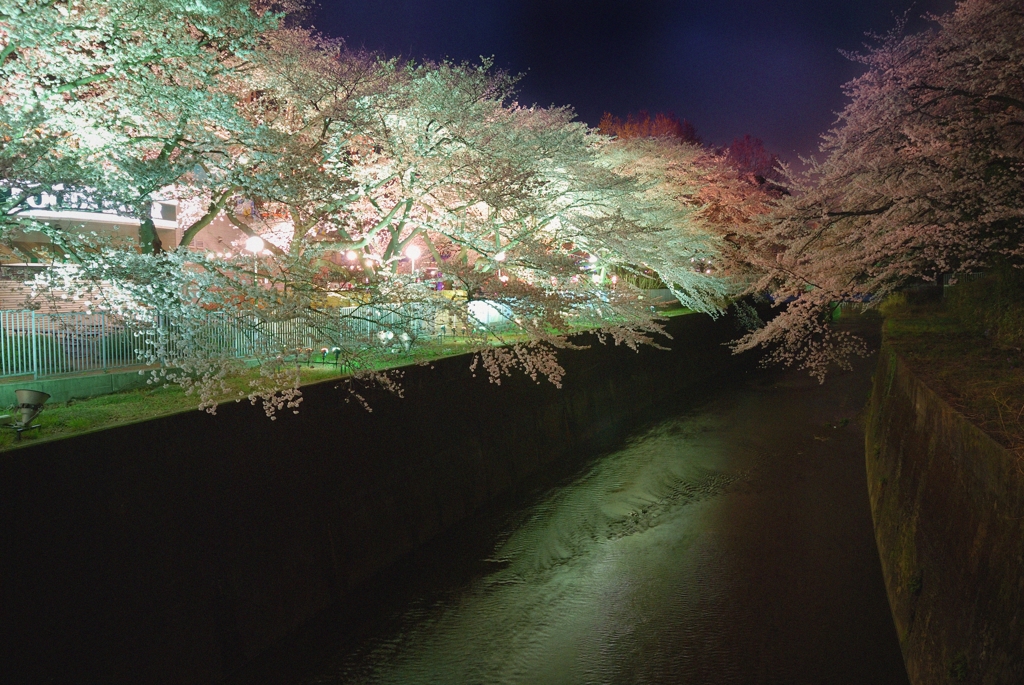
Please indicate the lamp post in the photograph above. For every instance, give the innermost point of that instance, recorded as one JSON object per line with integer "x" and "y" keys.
{"x": 255, "y": 245}
{"x": 413, "y": 253}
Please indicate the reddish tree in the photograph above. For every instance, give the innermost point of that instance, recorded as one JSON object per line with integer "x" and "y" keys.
{"x": 642, "y": 125}
{"x": 749, "y": 156}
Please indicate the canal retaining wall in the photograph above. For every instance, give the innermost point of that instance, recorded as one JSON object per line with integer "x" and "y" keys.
{"x": 75, "y": 387}
{"x": 176, "y": 550}
{"x": 948, "y": 508}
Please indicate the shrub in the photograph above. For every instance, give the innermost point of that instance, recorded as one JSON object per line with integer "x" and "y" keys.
{"x": 991, "y": 306}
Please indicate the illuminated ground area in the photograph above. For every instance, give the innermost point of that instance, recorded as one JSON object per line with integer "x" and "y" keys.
{"x": 62, "y": 420}
{"x": 731, "y": 543}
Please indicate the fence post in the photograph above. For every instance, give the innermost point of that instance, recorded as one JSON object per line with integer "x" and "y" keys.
{"x": 103, "y": 339}
{"x": 35, "y": 348}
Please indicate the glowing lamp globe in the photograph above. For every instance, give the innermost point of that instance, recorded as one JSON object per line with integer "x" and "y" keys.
{"x": 254, "y": 244}
{"x": 413, "y": 252}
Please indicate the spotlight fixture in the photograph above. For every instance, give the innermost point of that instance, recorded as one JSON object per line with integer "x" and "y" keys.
{"x": 30, "y": 404}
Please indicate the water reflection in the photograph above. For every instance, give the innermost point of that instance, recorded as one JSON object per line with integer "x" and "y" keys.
{"x": 731, "y": 544}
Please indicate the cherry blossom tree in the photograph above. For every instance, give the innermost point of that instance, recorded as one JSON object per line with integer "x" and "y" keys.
{"x": 350, "y": 167}
{"x": 117, "y": 105}
{"x": 115, "y": 101}
{"x": 749, "y": 155}
{"x": 522, "y": 208}
{"x": 923, "y": 174}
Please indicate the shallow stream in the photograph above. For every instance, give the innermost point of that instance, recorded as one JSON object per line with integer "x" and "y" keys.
{"x": 731, "y": 542}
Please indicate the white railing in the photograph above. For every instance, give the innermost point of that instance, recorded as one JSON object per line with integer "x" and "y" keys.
{"x": 43, "y": 344}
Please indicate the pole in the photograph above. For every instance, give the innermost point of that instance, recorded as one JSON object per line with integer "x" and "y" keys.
{"x": 103, "y": 339}
{"x": 35, "y": 348}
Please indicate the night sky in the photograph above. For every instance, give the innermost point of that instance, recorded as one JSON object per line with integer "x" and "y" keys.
{"x": 769, "y": 68}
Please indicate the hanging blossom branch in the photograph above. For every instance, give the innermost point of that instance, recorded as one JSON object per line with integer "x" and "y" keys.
{"x": 923, "y": 175}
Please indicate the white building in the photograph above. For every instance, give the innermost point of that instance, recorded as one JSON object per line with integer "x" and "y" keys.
{"x": 24, "y": 252}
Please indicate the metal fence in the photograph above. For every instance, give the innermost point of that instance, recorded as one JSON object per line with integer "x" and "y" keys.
{"x": 53, "y": 344}
{"x": 41, "y": 344}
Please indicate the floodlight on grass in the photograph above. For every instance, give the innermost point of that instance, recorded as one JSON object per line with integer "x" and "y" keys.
{"x": 30, "y": 404}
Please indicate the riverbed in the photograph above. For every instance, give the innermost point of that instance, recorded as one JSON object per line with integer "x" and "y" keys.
{"x": 729, "y": 541}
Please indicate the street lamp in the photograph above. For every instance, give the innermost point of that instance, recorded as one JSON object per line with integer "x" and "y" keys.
{"x": 255, "y": 245}
{"x": 413, "y": 253}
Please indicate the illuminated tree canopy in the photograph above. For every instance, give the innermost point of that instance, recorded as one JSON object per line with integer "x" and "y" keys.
{"x": 118, "y": 99}
{"x": 394, "y": 194}
{"x": 346, "y": 164}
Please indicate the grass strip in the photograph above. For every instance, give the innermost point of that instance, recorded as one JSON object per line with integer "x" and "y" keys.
{"x": 65, "y": 419}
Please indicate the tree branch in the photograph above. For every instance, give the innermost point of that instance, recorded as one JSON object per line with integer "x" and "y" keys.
{"x": 244, "y": 228}
{"x": 215, "y": 208}
{"x": 1003, "y": 99}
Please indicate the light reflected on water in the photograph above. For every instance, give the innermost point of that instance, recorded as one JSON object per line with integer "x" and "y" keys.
{"x": 701, "y": 552}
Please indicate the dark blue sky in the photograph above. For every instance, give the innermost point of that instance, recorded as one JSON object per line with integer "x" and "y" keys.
{"x": 769, "y": 68}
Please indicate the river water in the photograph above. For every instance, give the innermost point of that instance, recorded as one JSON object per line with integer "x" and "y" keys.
{"x": 729, "y": 542}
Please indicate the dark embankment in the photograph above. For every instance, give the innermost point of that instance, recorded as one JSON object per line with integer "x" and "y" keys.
{"x": 176, "y": 550}
{"x": 948, "y": 507}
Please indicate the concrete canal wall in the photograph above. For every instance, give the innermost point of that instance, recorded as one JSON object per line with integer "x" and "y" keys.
{"x": 948, "y": 508}
{"x": 76, "y": 387}
{"x": 176, "y": 550}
